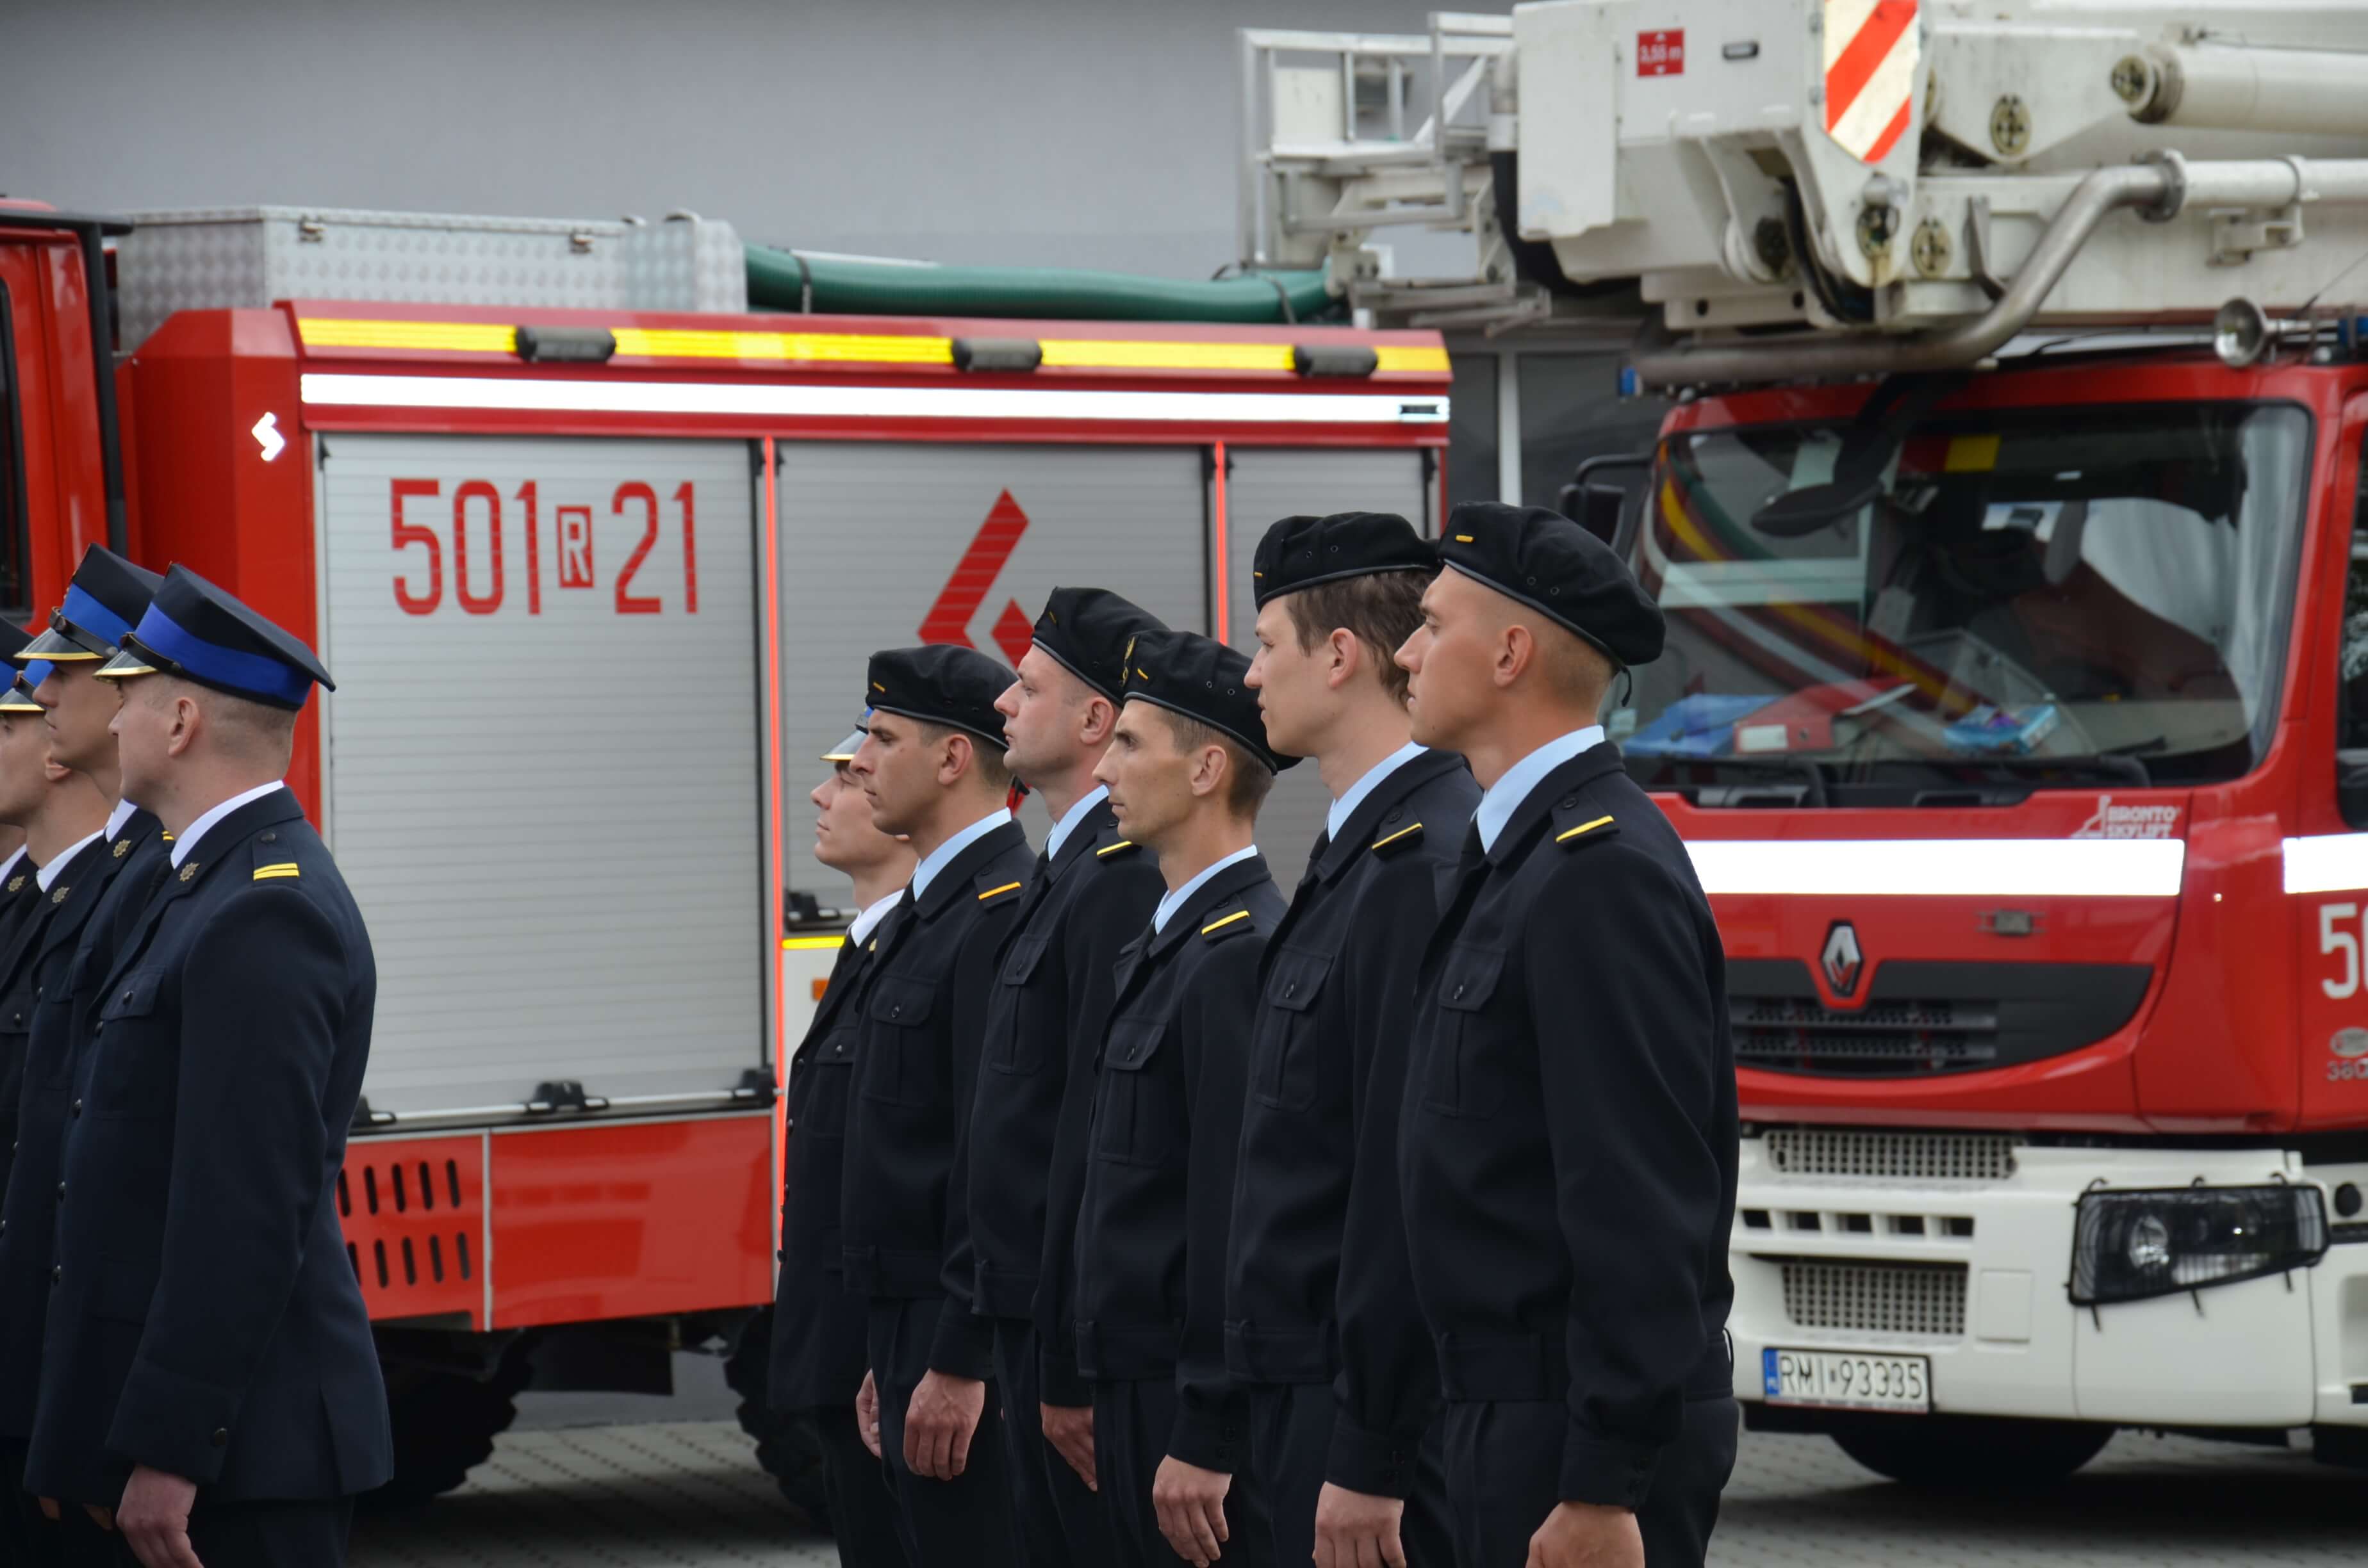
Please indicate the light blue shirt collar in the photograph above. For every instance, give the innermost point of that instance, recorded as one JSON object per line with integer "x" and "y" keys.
{"x": 1071, "y": 818}
{"x": 1346, "y": 806}
{"x": 1504, "y": 795}
{"x": 1176, "y": 900}
{"x": 936, "y": 860}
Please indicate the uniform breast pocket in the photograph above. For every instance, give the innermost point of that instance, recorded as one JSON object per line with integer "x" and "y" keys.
{"x": 1462, "y": 1076}
{"x": 901, "y": 1068}
{"x": 132, "y": 1060}
{"x": 1139, "y": 1114}
{"x": 1287, "y": 1065}
{"x": 1019, "y": 1050}
{"x": 833, "y": 1075}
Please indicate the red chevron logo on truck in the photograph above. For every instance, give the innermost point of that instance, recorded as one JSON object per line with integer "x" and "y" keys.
{"x": 948, "y": 618}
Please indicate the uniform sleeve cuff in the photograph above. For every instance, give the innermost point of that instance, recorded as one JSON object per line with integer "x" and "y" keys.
{"x": 1058, "y": 1382}
{"x": 963, "y": 1346}
{"x": 1214, "y": 1439}
{"x": 1378, "y": 1464}
{"x": 1612, "y": 1474}
{"x": 174, "y": 1423}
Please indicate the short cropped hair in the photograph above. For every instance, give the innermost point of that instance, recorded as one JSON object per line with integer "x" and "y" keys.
{"x": 988, "y": 763}
{"x": 1380, "y": 609}
{"x": 1247, "y": 778}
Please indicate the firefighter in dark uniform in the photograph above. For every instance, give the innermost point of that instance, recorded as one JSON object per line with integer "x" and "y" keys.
{"x": 932, "y": 766}
{"x": 107, "y": 596}
{"x": 819, "y": 1354}
{"x": 1094, "y": 888}
{"x": 63, "y": 818}
{"x": 1337, "y": 596}
{"x": 1188, "y": 767}
{"x": 207, "y": 1372}
{"x": 1567, "y": 1144}
{"x": 17, "y": 893}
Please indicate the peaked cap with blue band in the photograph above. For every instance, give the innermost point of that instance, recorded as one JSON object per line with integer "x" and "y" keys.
{"x": 18, "y": 697}
{"x": 1203, "y": 680}
{"x": 199, "y": 632}
{"x": 845, "y": 751}
{"x": 104, "y": 601}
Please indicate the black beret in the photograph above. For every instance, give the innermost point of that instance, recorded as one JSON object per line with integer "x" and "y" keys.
{"x": 1558, "y": 568}
{"x": 1201, "y": 679}
{"x": 1088, "y": 631}
{"x": 941, "y": 684}
{"x": 1299, "y": 552}
{"x": 200, "y": 632}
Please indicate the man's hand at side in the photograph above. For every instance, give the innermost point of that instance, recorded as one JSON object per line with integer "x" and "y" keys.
{"x": 1191, "y": 1503}
{"x": 154, "y": 1518}
{"x": 1357, "y": 1530}
{"x": 940, "y": 1424}
{"x": 1070, "y": 1429}
{"x": 867, "y": 1414}
{"x": 1587, "y": 1535}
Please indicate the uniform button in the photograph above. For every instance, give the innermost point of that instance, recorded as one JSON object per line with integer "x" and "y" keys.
{"x": 1459, "y": 994}
{"x": 61, "y": 1192}
{"x": 897, "y": 1011}
{"x": 57, "y": 1272}
{"x": 221, "y": 1437}
{"x": 74, "y": 1110}
{"x": 4, "y": 1227}
{"x": 1568, "y": 802}
{"x": 1291, "y": 989}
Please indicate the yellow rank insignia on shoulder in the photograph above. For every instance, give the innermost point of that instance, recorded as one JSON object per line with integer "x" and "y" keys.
{"x": 1402, "y": 840}
{"x": 1226, "y": 924}
{"x": 991, "y": 894}
{"x": 1601, "y": 827}
{"x": 271, "y": 873}
{"x": 1107, "y": 850}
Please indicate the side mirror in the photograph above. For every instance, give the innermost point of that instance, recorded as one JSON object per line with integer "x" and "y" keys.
{"x": 1600, "y": 508}
{"x": 2352, "y": 787}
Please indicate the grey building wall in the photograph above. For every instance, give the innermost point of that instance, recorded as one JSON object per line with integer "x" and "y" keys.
{"x": 1054, "y": 132}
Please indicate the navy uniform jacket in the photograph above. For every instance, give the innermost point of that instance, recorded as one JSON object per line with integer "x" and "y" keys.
{"x": 1319, "y": 1131}
{"x": 1567, "y": 1145}
{"x": 20, "y": 895}
{"x": 1051, "y": 995}
{"x": 79, "y": 932}
{"x": 205, "y": 1319}
{"x": 1159, "y": 1176}
{"x": 24, "y": 933}
{"x": 818, "y": 1355}
{"x": 924, "y": 1009}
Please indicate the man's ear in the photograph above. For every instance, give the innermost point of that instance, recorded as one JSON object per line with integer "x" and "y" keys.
{"x": 1209, "y": 770}
{"x": 55, "y": 772}
{"x": 1100, "y": 718}
{"x": 1517, "y": 651}
{"x": 1343, "y": 649}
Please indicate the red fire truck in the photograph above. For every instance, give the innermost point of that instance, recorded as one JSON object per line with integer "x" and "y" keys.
{"x": 597, "y": 581}
{"x": 2012, "y": 531}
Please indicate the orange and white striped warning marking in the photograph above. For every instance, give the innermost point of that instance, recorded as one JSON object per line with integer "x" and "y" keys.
{"x": 1871, "y": 52}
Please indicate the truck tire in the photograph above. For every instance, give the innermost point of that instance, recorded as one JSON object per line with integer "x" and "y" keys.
{"x": 786, "y": 1445}
{"x": 445, "y": 1424}
{"x": 1975, "y": 1453}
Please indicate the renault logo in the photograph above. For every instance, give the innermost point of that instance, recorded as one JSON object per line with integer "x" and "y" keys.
{"x": 1841, "y": 958}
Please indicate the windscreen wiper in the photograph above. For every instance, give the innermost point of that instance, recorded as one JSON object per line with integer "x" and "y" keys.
{"x": 2112, "y": 768}
{"x": 1814, "y": 791}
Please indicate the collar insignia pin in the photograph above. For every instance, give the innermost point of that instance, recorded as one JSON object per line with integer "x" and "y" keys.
{"x": 189, "y": 871}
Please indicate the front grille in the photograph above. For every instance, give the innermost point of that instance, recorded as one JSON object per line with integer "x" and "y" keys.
{"x": 1894, "y": 1156}
{"x": 1795, "y": 1034}
{"x": 1876, "y": 1298}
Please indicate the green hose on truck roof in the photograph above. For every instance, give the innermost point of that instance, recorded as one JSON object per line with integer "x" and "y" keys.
{"x": 786, "y": 280}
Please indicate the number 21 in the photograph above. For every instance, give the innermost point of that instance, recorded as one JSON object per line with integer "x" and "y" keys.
{"x": 629, "y": 602}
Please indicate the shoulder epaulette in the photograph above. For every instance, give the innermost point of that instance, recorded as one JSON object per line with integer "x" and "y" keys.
{"x": 282, "y": 869}
{"x": 1588, "y": 831}
{"x": 999, "y": 893}
{"x": 1225, "y": 925}
{"x": 1121, "y": 848}
{"x": 1397, "y": 843}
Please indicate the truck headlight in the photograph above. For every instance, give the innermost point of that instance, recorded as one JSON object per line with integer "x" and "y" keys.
{"x": 2131, "y": 1245}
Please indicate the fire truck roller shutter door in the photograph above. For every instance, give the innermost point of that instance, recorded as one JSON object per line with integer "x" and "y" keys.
{"x": 541, "y": 771}
{"x": 885, "y": 544}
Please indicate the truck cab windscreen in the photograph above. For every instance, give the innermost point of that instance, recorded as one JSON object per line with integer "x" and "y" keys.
{"x": 2053, "y": 597}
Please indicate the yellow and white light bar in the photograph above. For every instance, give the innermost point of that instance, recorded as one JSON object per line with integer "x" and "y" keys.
{"x": 1945, "y": 868}
{"x": 2330, "y": 862}
{"x": 848, "y": 349}
{"x": 533, "y": 394}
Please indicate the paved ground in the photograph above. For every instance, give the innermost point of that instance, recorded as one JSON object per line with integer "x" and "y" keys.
{"x": 638, "y": 1492}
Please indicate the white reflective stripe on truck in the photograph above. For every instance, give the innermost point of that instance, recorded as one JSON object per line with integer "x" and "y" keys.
{"x": 1986, "y": 867}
